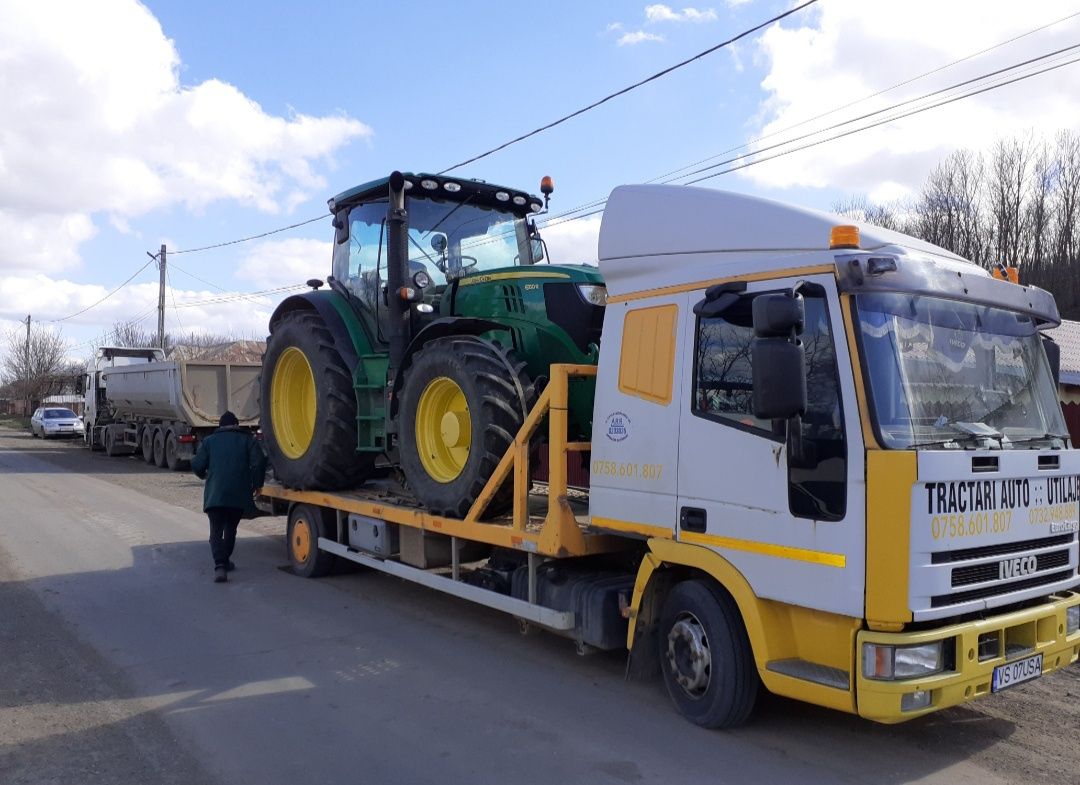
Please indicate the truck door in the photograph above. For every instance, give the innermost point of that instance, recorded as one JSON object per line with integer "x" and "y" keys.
{"x": 793, "y": 528}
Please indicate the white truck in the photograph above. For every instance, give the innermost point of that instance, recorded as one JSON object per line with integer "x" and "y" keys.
{"x": 826, "y": 459}
{"x": 137, "y": 401}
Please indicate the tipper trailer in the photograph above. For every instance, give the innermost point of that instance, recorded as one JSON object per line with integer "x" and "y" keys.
{"x": 824, "y": 458}
{"x": 137, "y": 401}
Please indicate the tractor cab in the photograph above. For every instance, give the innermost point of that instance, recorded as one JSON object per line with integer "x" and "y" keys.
{"x": 455, "y": 229}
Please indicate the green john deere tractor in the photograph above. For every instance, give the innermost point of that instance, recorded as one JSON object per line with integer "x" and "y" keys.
{"x": 431, "y": 343}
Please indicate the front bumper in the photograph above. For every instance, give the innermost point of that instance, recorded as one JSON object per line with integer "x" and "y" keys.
{"x": 1037, "y": 630}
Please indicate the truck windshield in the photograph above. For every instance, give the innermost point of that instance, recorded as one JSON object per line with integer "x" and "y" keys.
{"x": 945, "y": 373}
{"x": 453, "y": 239}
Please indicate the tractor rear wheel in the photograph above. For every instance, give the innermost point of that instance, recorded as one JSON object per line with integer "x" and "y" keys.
{"x": 309, "y": 408}
{"x": 463, "y": 401}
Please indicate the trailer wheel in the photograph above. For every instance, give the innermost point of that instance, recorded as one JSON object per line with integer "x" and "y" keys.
{"x": 309, "y": 408}
{"x": 463, "y": 401}
{"x": 706, "y": 658}
{"x": 147, "y": 444}
{"x": 159, "y": 448}
{"x": 172, "y": 452}
{"x": 306, "y": 525}
{"x": 110, "y": 443}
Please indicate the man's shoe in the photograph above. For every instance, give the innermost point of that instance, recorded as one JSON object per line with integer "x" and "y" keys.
{"x": 220, "y": 575}
{"x": 230, "y": 566}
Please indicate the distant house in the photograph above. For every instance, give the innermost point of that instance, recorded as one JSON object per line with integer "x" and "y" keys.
{"x": 1067, "y": 336}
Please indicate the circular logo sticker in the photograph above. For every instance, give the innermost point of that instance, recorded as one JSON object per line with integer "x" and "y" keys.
{"x": 618, "y": 426}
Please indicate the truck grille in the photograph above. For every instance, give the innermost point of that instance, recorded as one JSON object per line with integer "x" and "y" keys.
{"x": 1004, "y": 568}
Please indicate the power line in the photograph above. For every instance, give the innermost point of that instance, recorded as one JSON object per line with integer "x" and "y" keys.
{"x": 569, "y": 215}
{"x": 197, "y": 278}
{"x": 865, "y": 98}
{"x": 103, "y": 299}
{"x": 252, "y": 237}
{"x": 245, "y": 296}
{"x": 172, "y": 296}
{"x": 925, "y": 96}
{"x": 627, "y": 89}
{"x": 880, "y": 122}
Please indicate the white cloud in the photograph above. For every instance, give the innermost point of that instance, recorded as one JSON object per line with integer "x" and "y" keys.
{"x": 848, "y": 49}
{"x": 573, "y": 242}
{"x": 736, "y": 3}
{"x": 662, "y": 13}
{"x": 637, "y": 37}
{"x": 97, "y": 121}
{"x": 274, "y": 263}
{"x": 186, "y": 310}
{"x": 614, "y": 27}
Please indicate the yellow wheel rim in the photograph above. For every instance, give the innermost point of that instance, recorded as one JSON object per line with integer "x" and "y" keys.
{"x": 443, "y": 429}
{"x": 301, "y": 540}
{"x": 293, "y": 403}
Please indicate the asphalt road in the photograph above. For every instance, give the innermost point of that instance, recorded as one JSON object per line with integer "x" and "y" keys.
{"x": 122, "y": 662}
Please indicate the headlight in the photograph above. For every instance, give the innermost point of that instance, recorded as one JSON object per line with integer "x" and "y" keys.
{"x": 593, "y": 294}
{"x": 901, "y": 662}
{"x": 1072, "y": 619}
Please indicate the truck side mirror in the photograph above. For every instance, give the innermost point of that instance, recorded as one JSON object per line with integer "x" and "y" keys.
{"x": 1053, "y": 354}
{"x": 80, "y": 385}
{"x": 777, "y": 356}
{"x": 778, "y": 315}
{"x": 779, "y": 375}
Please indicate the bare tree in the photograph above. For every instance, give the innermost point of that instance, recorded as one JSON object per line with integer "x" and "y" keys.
{"x": 36, "y": 367}
{"x": 860, "y": 208}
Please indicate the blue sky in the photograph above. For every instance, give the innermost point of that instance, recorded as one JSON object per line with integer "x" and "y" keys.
{"x": 196, "y": 122}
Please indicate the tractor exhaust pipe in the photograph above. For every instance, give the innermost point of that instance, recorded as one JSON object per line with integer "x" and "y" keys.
{"x": 397, "y": 274}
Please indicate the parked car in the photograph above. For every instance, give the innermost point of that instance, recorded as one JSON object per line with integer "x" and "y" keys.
{"x": 56, "y": 421}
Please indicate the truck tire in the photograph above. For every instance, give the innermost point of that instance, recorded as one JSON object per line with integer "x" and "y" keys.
{"x": 147, "y": 443}
{"x": 463, "y": 401}
{"x": 309, "y": 408}
{"x": 159, "y": 448}
{"x": 172, "y": 450}
{"x": 705, "y": 656}
{"x": 110, "y": 443}
{"x": 306, "y": 525}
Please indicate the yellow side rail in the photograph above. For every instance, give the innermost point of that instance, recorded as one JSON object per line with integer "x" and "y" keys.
{"x": 559, "y": 533}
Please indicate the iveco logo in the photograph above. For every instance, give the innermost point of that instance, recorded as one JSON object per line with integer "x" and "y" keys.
{"x": 1012, "y": 568}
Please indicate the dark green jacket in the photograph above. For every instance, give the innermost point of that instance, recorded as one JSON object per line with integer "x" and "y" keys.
{"x": 233, "y": 465}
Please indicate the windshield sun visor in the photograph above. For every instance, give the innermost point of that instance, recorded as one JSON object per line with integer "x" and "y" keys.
{"x": 865, "y": 272}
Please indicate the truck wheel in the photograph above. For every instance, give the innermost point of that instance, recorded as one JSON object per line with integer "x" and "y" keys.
{"x": 147, "y": 444}
{"x": 463, "y": 401}
{"x": 706, "y": 658}
{"x": 172, "y": 450}
{"x": 159, "y": 448}
{"x": 110, "y": 443}
{"x": 309, "y": 408}
{"x": 306, "y": 525}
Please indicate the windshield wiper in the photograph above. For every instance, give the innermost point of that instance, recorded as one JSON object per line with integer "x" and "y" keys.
{"x": 1044, "y": 438}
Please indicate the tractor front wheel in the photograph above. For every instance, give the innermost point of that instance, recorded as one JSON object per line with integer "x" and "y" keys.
{"x": 463, "y": 401}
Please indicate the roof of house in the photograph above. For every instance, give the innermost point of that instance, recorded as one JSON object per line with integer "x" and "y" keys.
{"x": 1067, "y": 336}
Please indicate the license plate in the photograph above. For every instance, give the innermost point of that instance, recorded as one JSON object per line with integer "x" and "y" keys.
{"x": 1016, "y": 672}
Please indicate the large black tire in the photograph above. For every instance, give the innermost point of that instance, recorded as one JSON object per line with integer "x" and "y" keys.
{"x": 172, "y": 450}
{"x": 705, "y": 656}
{"x": 159, "y": 448}
{"x": 305, "y": 525}
{"x": 330, "y": 461}
{"x": 498, "y": 394}
{"x": 147, "y": 445}
{"x": 111, "y": 448}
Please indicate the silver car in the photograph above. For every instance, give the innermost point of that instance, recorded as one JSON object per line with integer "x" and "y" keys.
{"x": 56, "y": 421}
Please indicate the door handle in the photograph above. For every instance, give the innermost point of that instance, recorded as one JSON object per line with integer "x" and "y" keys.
{"x": 692, "y": 519}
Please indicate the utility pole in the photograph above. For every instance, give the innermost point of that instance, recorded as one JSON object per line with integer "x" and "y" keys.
{"x": 29, "y": 402}
{"x": 161, "y": 299}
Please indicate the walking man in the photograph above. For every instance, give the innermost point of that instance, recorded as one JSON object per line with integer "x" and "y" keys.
{"x": 233, "y": 465}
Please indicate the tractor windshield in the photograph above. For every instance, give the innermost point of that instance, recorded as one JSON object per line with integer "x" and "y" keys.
{"x": 453, "y": 239}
